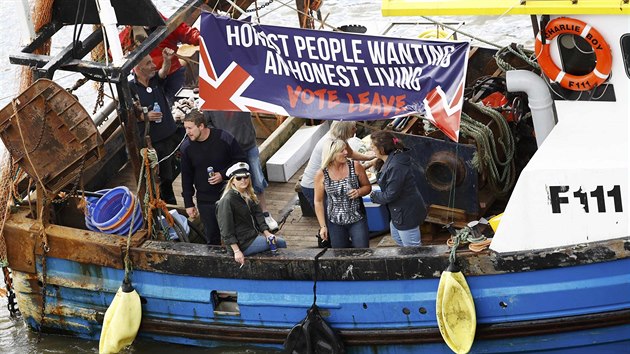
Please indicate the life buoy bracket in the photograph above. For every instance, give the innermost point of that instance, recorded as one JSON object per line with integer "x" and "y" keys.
{"x": 566, "y": 25}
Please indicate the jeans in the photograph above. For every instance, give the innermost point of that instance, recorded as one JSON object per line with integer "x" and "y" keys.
{"x": 260, "y": 245}
{"x": 259, "y": 183}
{"x": 406, "y": 238}
{"x": 352, "y": 235}
{"x": 208, "y": 214}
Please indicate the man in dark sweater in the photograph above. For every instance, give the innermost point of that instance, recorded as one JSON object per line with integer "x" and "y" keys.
{"x": 205, "y": 148}
{"x": 151, "y": 90}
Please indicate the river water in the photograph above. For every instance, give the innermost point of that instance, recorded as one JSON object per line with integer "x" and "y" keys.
{"x": 15, "y": 337}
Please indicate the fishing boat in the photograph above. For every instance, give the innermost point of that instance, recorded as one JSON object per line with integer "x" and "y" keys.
{"x": 555, "y": 279}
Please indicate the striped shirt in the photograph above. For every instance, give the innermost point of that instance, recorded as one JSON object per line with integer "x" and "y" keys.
{"x": 341, "y": 209}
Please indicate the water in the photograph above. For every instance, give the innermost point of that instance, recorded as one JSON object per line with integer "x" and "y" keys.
{"x": 15, "y": 337}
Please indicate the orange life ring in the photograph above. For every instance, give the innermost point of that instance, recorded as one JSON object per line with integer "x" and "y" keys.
{"x": 600, "y": 73}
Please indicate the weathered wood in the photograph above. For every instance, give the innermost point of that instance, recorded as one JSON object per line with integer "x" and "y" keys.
{"x": 280, "y": 136}
{"x": 50, "y": 135}
{"x": 442, "y": 215}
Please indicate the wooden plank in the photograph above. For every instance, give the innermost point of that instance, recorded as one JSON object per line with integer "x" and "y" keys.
{"x": 443, "y": 215}
{"x": 275, "y": 141}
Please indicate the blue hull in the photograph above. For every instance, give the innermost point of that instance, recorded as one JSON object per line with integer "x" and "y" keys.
{"x": 516, "y": 312}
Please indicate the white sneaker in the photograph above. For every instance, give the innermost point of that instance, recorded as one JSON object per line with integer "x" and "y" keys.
{"x": 273, "y": 225}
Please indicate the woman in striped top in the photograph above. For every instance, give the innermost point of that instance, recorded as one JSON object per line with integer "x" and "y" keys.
{"x": 344, "y": 183}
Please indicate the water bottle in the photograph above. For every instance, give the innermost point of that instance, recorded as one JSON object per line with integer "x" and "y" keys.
{"x": 271, "y": 240}
{"x": 156, "y": 108}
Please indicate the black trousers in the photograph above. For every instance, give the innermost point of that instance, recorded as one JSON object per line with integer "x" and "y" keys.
{"x": 169, "y": 168}
{"x": 208, "y": 213}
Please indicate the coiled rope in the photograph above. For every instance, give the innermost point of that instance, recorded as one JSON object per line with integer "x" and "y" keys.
{"x": 152, "y": 199}
{"x": 526, "y": 55}
{"x": 463, "y": 236}
{"x": 501, "y": 173}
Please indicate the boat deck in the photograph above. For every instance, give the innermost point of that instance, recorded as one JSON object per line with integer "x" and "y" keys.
{"x": 298, "y": 230}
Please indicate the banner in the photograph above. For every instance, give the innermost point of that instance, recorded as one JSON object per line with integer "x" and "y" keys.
{"x": 329, "y": 75}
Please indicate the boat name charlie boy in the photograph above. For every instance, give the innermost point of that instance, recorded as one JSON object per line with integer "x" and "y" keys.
{"x": 559, "y": 195}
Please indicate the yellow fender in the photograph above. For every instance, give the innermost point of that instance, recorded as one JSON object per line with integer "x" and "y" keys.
{"x": 434, "y": 33}
{"x": 122, "y": 320}
{"x": 455, "y": 311}
{"x": 495, "y": 221}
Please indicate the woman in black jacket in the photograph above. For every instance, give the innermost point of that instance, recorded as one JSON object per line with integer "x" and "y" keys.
{"x": 241, "y": 220}
{"x": 398, "y": 189}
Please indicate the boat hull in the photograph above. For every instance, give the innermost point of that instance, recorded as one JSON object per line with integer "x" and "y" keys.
{"x": 380, "y": 300}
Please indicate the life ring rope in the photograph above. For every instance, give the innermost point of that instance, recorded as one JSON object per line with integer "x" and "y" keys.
{"x": 566, "y": 25}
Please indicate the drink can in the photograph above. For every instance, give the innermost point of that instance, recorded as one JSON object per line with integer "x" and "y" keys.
{"x": 210, "y": 170}
{"x": 271, "y": 239}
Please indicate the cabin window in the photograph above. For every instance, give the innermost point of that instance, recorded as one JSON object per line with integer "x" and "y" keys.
{"x": 225, "y": 303}
{"x": 578, "y": 58}
{"x": 625, "y": 50}
{"x": 577, "y": 55}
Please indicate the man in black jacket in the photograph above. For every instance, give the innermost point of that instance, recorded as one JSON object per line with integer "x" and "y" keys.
{"x": 205, "y": 148}
{"x": 150, "y": 86}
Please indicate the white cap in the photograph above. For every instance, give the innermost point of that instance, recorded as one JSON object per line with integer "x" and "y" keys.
{"x": 238, "y": 168}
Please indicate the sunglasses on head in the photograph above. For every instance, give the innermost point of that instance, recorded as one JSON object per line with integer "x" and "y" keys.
{"x": 238, "y": 178}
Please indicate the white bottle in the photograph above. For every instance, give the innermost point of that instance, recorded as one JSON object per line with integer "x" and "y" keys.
{"x": 156, "y": 108}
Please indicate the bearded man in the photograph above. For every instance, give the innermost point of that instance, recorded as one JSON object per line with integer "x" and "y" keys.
{"x": 204, "y": 148}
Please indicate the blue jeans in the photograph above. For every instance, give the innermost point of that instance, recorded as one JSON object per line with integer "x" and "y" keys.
{"x": 259, "y": 183}
{"x": 260, "y": 245}
{"x": 352, "y": 235}
{"x": 406, "y": 238}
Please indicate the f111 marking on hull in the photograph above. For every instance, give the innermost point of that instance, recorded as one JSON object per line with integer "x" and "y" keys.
{"x": 559, "y": 195}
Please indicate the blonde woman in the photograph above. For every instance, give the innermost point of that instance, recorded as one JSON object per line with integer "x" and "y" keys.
{"x": 338, "y": 130}
{"x": 241, "y": 220}
{"x": 343, "y": 183}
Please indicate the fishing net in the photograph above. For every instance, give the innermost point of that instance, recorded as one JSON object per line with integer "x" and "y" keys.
{"x": 6, "y": 189}
{"x": 41, "y": 11}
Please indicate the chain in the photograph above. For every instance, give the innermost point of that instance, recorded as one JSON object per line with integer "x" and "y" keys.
{"x": 100, "y": 97}
{"x": 77, "y": 179}
{"x": 18, "y": 154}
{"x": 8, "y": 282}
{"x": 256, "y": 8}
{"x": 45, "y": 248}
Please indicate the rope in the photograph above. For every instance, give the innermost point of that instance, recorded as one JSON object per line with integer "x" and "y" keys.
{"x": 487, "y": 158}
{"x": 316, "y": 273}
{"x": 526, "y": 55}
{"x": 45, "y": 249}
{"x": 463, "y": 236}
{"x": 152, "y": 198}
{"x": 28, "y": 156}
{"x": 451, "y": 192}
{"x": 174, "y": 150}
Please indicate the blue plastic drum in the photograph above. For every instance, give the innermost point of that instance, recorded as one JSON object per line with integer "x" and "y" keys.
{"x": 114, "y": 211}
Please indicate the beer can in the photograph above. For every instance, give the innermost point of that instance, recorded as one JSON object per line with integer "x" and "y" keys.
{"x": 271, "y": 239}
{"x": 210, "y": 170}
